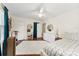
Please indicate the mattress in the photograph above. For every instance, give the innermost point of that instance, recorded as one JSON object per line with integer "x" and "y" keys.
{"x": 62, "y": 48}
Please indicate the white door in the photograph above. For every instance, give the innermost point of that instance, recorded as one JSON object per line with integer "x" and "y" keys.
{"x": 39, "y": 30}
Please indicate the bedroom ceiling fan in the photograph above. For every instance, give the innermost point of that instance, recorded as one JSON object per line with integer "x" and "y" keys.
{"x": 40, "y": 12}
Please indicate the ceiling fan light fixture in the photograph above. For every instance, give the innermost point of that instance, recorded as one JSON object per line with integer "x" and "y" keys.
{"x": 41, "y": 15}
{"x": 41, "y": 10}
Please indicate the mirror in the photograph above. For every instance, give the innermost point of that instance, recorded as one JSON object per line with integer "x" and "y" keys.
{"x": 50, "y": 27}
{"x": 29, "y": 27}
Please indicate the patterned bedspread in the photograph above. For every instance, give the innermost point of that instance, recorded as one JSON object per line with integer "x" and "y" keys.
{"x": 62, "y": 48}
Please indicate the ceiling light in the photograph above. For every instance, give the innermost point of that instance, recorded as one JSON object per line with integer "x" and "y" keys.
{"x": 41, "y": 10}
{"x": 40, "y": 15}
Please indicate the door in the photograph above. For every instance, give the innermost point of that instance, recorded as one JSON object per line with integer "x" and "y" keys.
{"x": 35, "y": 31}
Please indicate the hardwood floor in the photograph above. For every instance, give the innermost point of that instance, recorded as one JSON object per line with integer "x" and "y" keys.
{"x": 18, "y": 42}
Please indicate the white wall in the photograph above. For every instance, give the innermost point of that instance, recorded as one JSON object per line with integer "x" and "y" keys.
{"x": 67, "y": 22}
{"x": 1, "y": 16}
{"x": 1, "y": 27}
{"x": 20, "y": 24}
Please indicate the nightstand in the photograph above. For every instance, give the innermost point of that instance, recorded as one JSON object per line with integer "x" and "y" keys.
{"x": 30, "y": 37}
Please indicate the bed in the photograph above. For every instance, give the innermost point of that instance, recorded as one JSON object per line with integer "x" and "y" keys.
{"x": 68, "y": 46}
{"x": 30, "y": 48}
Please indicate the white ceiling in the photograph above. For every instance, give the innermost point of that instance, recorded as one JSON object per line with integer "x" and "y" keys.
{"x": 53, "y": 9}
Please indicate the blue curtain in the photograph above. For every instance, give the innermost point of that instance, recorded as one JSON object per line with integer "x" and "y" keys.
{"x": 35, "y": 30}
{"x": 6, "y": 30}
{"x": 0, "y": 41}
{"x": 0, "y": 50}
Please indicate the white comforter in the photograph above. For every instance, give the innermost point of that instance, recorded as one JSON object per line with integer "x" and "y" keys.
{"x": 62, "y": 48}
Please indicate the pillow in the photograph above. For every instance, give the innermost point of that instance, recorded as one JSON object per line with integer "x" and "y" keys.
{"x": 49, "y": 37}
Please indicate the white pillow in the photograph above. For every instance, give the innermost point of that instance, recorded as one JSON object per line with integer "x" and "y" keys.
{"x": 49, "y": 37}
